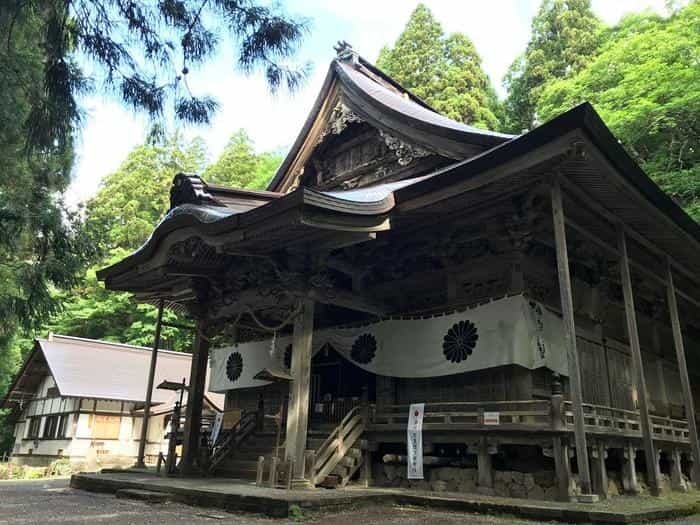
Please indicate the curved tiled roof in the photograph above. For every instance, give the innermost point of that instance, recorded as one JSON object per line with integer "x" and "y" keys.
{"x": 393, "y": 100}
{"x": 386, "y": 105}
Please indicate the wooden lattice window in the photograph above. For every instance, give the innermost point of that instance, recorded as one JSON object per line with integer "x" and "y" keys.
{"x": 105, "y": 427}
{"x": 50, "y": 427}
{"x": 33, "y": 431}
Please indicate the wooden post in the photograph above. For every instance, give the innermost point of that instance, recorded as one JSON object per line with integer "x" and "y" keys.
{"x": 677, "y": 480}
{"x": 567, "y": 309}
{"x": 195, "y": 401}
{"x": 272, "y": 482}
{"x": 260, "y": 414}
{"x": 683, "y": 369}
{"x": 562, "y": 468}
{"x": 629, "y": 470}
{"x": 366, "y": 469}
{"x": 600, "y": 474}
{"x": 298, "y": 411}
{"x": 260, "y": 471}
{"x": 638, "y": 368}
{"x": 484, "y": 465}
{"x": 289, "y": 474}
{"x": 149, "y": 389}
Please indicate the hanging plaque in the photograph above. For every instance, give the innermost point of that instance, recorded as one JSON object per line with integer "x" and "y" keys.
{"x": 414, "y": 441}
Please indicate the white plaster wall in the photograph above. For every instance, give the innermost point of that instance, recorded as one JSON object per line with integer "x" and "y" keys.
{"x": 83, "y": 429}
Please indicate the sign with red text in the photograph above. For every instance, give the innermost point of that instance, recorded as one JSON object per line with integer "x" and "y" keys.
{"x": 414, "y": 441}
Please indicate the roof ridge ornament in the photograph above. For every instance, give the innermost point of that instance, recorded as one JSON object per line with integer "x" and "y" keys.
{"x": 189, "y": 188}
{"x": 345, "y": 52}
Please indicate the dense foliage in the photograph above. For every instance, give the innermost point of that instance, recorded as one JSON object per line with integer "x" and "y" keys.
{"x": 41, "y": 245}
{"x": 143, "y": 52}
{"x": 645, "y": 83}
{"x": 444, "y": 70}
{"x": 122, "y": 215}
{"x": 240, "y": 167}
{"x": 54, "y": 51}
{"x": 565, "y": 34}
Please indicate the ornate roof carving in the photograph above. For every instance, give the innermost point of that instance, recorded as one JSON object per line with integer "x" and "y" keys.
{"x": 339, "y": 119}
{"x": 189, "y": 188}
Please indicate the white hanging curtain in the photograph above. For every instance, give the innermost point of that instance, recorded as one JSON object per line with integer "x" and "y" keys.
{"x": 512, "y": 330}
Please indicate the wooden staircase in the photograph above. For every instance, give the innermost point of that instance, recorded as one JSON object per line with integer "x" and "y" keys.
{"x": 242, "y": 463}
{"x": 232, "y": 442}
{"x": 339, "y": 456}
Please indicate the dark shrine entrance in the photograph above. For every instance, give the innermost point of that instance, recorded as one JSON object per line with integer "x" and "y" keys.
{"x": 337, "y": 386}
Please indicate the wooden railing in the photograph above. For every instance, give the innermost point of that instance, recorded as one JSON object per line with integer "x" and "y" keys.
{"x": 337, "y": 445}
{"x": 233, "y": 438}
{"x": 546, "y": 415}
{"x": 607, "y": 420}
{"x": 532, "y": 413}
{"x": 333, "y": 412}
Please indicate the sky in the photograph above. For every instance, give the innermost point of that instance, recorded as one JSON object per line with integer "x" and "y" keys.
{"x": 499, "y": 29}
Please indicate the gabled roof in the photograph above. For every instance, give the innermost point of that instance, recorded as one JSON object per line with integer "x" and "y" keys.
{"x": 614, "y": 181}
{"x": 87, "y": 368}
{"x": 212, "y": 212}
{"x": 381, "y": 102}
{"x": 582, "y": 117}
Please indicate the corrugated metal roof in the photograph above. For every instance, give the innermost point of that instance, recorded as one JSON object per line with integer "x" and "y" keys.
{"x": 104, "y": 370}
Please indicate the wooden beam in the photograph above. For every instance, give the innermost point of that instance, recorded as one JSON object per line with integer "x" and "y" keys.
{"x": 633, "y": 335}
{"x": 567, "y": 307}
{"x": 643, "y": 270}
{"x": 346, "y": 299}
{"x": 195, "y": 401}
{"x": 489, "y": 176}
{"x": 683, "y": 369}
{"x": 149, "y": 388}
{"x": 298, "y": 408}
{"x": 581, "y": 194}
{"x": 598, "y": 156}
{"x": 343, "y": 240}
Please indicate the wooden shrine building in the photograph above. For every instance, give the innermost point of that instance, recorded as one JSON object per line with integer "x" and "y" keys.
{"x": 539, "y": 293}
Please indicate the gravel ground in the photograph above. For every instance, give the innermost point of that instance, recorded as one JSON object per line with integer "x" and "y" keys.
{"x": 53, "y": 501}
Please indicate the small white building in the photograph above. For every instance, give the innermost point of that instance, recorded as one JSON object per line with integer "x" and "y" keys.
{"x": 83, "y": 399}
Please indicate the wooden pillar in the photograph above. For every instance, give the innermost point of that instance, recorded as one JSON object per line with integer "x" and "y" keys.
{"x": 677, "y": 480}
{"x": 633, "y": 335}
{"x": 629, "y": 470}
{"x": 149, "y": 389}
{"x": 600, "y": 474}
{"x": 683, "y": 369}
{"x": 562, "y": 468}
{"x": 298, "y": 408}
{"x": 484, "y": 465}
{"x": 195, "y": 401}
{"x": 567, "y": 309}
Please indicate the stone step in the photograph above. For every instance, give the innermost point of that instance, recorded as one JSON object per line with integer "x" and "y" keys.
{"x": 331, "y": 481}
{"x": 255, "y": 449}
{"x": 238, "y": 463}
{"x": 148, "y": 496}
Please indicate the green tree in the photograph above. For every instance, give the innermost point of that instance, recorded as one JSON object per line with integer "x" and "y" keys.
{"x": 132, "y": 199}
{"x": 143, "y": 52}
{"x": 41, "y": 244}
{"x": 239, "y": 166}
{"x": 565, "y": 35}
{"x": 644, "y": 82}
{"x": 94, "y": 312}
{"x": 444, "y": 70}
